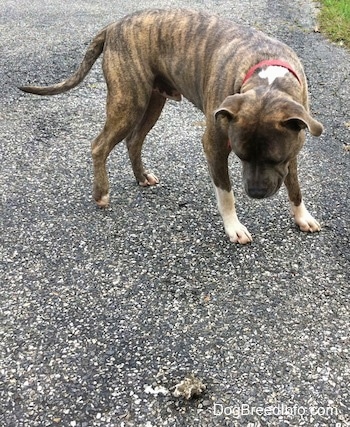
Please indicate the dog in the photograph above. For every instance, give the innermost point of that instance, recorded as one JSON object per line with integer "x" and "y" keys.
{"x": 251, "y": 88}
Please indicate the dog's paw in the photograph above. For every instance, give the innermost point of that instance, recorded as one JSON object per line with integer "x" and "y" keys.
{"x": 307, "y": 223}
{"x": 304, "y": 220}
{"x": 150, "y": 179}
{"x": 103, "y": 202}
{"x": 238, "y": 233}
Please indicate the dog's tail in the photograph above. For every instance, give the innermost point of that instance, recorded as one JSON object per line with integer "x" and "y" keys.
{"x": 93, "y": 52}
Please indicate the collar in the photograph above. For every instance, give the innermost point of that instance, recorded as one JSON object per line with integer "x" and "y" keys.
{"x": 270, "y": 62}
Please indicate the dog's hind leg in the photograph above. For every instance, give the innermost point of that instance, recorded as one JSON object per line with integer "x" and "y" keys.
{"x": 135, "y": 140}
{"x": 122, "y": 118}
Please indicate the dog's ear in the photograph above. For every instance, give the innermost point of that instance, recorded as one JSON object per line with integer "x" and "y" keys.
{"x": 230, "y": 107}
{"x": 298, "y": 123}
{"x": 300, "y": 119}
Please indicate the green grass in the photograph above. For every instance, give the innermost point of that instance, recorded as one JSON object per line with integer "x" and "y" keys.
{"x": 334, "y": 19}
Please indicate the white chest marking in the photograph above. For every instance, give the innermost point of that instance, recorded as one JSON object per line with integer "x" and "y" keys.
{"x": 272, "y": 72}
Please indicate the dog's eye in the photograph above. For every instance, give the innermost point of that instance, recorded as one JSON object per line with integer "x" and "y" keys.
{"x": 275, "y": 161}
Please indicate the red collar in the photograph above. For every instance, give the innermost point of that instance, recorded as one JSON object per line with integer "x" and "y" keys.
{"x": 267, "y": 63}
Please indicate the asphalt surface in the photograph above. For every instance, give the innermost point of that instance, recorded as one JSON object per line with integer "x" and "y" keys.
{"x": 104, "y": 312}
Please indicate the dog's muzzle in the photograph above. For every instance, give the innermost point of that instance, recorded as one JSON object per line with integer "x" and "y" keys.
{"x": 258, "y": 192}
{"x": 262, "y": 181}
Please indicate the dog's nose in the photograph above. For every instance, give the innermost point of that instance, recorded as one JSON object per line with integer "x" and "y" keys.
{"x": 257, "y": 192}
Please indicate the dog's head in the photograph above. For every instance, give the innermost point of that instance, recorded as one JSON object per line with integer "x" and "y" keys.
{"x": 266, "y": 130}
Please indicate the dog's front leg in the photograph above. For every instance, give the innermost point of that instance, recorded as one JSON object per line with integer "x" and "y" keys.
{"x": 236, "y": 231}
{"x": 218, "y": 167}
{"x": 302, "y": 217}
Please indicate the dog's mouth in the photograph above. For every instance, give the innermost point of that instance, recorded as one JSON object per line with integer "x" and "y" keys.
{"x": 261, "y": 192}
{"x": 263, "y": 182}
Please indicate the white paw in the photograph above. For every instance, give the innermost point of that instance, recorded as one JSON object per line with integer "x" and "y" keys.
{"x": 150, "y": 179}
{"x": 238, "y": 233}
{"x": 103, "y": 202}
{"x": 305, "y": 221}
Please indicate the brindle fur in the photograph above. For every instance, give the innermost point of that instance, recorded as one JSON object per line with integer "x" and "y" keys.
{"x": 157, "y": 54}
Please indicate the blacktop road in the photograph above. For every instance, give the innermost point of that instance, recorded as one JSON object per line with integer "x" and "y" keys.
{"x": 104, "y": 312}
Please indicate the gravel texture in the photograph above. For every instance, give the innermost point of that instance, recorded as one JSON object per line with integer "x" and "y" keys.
{"x": 104, "y": 312}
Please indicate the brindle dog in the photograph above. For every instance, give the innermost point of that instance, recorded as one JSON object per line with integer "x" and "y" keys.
{"x": 251, "y": 88}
